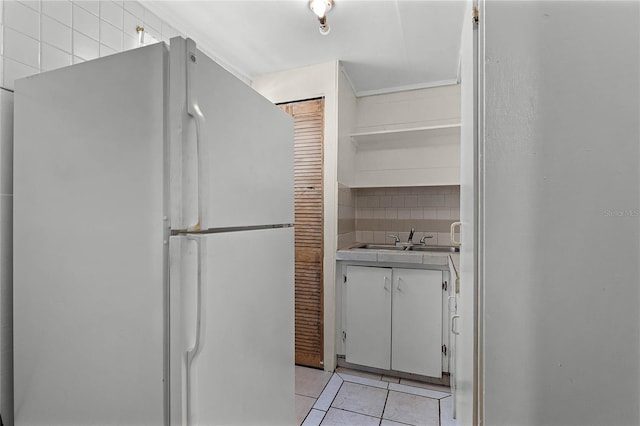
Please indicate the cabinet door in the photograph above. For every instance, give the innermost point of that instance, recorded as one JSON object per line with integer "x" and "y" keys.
{"x": 368, "y": 322}
{"x": 417, "y": 322}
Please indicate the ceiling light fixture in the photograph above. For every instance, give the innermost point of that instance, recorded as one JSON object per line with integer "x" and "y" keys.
{"x": 320, "y": 8}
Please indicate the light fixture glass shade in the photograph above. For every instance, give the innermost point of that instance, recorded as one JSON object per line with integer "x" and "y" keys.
{"x": 320, "y": 7}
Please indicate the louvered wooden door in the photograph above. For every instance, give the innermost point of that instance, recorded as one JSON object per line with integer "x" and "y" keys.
{"x": 308, "y": 117}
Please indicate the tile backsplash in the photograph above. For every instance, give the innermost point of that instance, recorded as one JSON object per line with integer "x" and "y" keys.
{"x": 39, "y": 36}
{"x": 381, "y": 212}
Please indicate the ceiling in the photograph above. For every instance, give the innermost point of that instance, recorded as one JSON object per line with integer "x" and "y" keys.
{"x": 383, "y": 45}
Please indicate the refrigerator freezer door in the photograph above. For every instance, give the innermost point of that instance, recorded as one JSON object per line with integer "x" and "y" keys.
{"x": 231, "y": 149}
{"x": 89, "y": 258}
{"x": 243, "y": 370}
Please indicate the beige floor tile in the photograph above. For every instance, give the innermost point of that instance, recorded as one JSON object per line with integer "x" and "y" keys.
{"x": 303, "y": 405}
{"x": 337, "y": 417}
{"x": 310, "y": 381}
{"x": 365, "y": 374}
{"x": 424, "y": 385}
{"x": 429, "y": 393}
{"x": 412, "y": 409}
{"x": 390, "y": 423}
{"x": 361, "y": 399}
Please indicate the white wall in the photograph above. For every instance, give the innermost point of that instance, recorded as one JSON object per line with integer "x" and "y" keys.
{"x": 305, "y": 83}
{"x": 464, "y": 347}
{"x": 347, "y": 106}
{"x": 44, "y": 35}
{"x": 430, "y": 159}
{"x": 6, "y": 256}
{"x": 562, "y": 207}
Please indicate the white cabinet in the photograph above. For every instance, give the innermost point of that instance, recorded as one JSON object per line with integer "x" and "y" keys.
{"x": 368, "y": 319}
{"x": 394, "y": 319}
{"x": 417, "y": 322}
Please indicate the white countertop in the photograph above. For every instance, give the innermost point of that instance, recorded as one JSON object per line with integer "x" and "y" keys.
{"x": 394, "y": 256}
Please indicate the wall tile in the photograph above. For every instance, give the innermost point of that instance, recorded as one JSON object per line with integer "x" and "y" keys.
{"x": 21, "y": 48}
{"x": 86, "y": 22}
{"x": 130, "y": 42}
{"x": 386, "y": 201}
{"x": 168, "y": 32}
{"x": 151, "y": 35}
{"x": 130, "y": 24}
{"x": 85, "y": 47}
{"x": 60, "y": 10}
{"x": 91, "y": 6}
{"x": 444, "y": 239}
{"x": 112, "y": 13}
{"x": 367, "y": 237}
{"x": 365, "y": 213}
{"x": 77, "y": 60}
{"x": 152, "y": 21}
{"x": 404, "y": 213}
{"x": 14, "y": 70}
{"x": 417, "y": 213}
{"x": 411, "y": 201}
{"x": 452, "y": 200}
{"x": 430, "y": 213}
{"x": 134, "y": 8}
{"x": 379, "y": 237}
{"x": 110, "y": 36}
{"x": 21, "y": 18}
{"x": 436, "y": 200}
{"x": 56, "y": 34}
{"x": 106, "y": 50}
{"x": 53, "y": 58}
{"x": 443, "y": 213}
{"x": 397, "y": 201}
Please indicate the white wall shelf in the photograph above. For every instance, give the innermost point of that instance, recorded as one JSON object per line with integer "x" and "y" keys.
{"x": 403, "y": 138}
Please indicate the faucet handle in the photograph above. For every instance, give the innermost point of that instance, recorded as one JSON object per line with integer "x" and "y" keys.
{"x": 422, "y": 240}
{"x": 395, "y": 237}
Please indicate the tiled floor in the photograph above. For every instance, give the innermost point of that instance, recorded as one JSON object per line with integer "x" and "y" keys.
{"x": 356, "y": 398}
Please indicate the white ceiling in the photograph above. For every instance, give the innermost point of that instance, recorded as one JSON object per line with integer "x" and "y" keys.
{"x": 383, "y": 45}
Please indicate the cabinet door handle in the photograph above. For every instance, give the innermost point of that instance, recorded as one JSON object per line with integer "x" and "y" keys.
{"x": 453, "y": 324}
{"x": 385, "y": 283}
{"x": 399, "y": 279}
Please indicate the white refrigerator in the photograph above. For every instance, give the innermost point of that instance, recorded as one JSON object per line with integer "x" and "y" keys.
{"x": 153, "y": 245}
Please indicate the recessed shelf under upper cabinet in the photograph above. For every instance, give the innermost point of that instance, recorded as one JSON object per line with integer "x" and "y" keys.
{"x": 401, "y": 138}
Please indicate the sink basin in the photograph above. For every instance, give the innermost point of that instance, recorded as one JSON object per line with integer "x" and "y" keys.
{"x": 381, "y": 247}
{"x": 446, "y": 249}
{"x": 415, "y": 247}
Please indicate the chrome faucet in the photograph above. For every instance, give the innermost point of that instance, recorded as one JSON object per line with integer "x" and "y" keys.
{"x": 422, "y": 240}
{"x": 410, "y": 240}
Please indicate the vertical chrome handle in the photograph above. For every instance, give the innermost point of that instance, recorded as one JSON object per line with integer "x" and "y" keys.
{"x": 455, "y": 225}
{"x": 385, "y": 283}
{"x": 453, "y": 324}
{"x": 194, "y": 111}
{"x": 398, "y": 287}
{"x": 195, "y": 349}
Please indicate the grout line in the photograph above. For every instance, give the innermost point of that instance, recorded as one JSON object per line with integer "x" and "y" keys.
{"x": 384, "y": 407}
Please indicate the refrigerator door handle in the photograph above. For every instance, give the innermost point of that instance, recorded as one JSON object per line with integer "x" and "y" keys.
{"x": 194, "y": 111}
{"x": 193, "y": 352}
